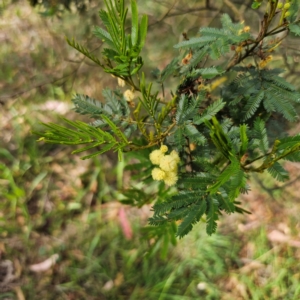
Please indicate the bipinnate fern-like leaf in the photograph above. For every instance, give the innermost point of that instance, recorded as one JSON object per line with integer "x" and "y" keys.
{"x": 294, "y": 157}
{"x": 207, "y": 73}
{"x": 238, "y": 181}
{"x": 278, "y": 172}
{"x": 232, "y": 170}
{"x": 195, "y": 212}
{"x": 259, "y": 135}
{"x": 115, "y": 108}
{"x": 85, "y": 105}
{"x": 225, "y": 203}
{"x": 230, "y": 33}
{"x": 193, "y": 134}
{"x": 257, "y": 89}
{"x": 253, "y": 103}
{"x": 214, "y": 41}
{"x": 105, "y": 36}
{"x": 182, "y": 107}
{"x": 182, "y": 199}
{"x": 212, "y": 213}
{"x": 84, "y": 51}
{"x": 178, "y": 138}
{"x": 209, "y": 112}
{"x": 289, "y": 142}
{"x": 85, "y": 134}
{"x": 198, "y": 182}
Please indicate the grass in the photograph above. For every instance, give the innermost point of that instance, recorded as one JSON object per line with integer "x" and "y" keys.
{"x": 51, "y": 202}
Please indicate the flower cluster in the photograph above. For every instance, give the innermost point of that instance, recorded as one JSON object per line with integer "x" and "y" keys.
{"x": 168, "y": 165}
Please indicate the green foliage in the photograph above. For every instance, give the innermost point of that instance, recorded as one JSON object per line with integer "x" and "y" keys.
{"x": 216, "y": 137}
{"x": 254, "y": 90}
{"x": 86, "y": 134}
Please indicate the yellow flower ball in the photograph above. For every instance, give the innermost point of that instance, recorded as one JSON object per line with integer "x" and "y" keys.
{"x": 175, "y": 156}
{"x": 171, "y": 178}
{"x": 156, "y": 156}
{"x": 158, "y": 174}
{"x": 168, "y": 163}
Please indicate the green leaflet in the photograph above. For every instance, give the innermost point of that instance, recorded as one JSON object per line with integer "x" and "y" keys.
{"x": 252, "y": 105}
{"x": 143, "y": 31}
{"x": 84, "y": 134}
{"x": 115, "y": 129}
{"x": 244, "y": 139}
{"x": 295, "y": 157}
{"x": 104, "y": 36}
{"x": 84, "y": 51}
{"x": 198, "y": 182}
{"x": 212, "y": 216}
{"x": 208, "y": 73}
{"x": 193, "y": 134}
{"x": 260, "y": 136}
{"x": 225, "y": 176}
{"x": 135, "y": 24}
{"x": 289, "y": 142}
{"x": 193, "y": 216}
{"x": 182, "y": 199}
{"x": 278, "y": 172}
{"x": 261, "y": 89}
{"x": 237, "y": 182}
{"x": 220, "y": 138}
{"x": 224, "y": 202}
{"x": 124, "y": 49}
{"x": 209, "y": 112}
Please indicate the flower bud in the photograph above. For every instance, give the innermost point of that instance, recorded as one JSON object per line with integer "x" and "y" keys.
{"x": 128, "y": 95}
{"x": 121, "y": 82}
{"x": 246, "y": 29}
{"x": 164, "y": 148}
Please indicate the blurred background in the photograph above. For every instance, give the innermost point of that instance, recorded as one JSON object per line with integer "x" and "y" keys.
{"x": 63, "y": 232}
